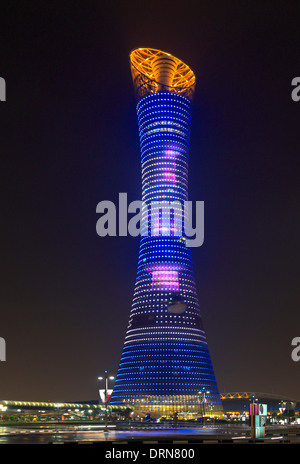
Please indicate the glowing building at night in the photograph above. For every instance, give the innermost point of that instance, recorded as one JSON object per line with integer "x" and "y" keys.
{"x": 165, "y": 365}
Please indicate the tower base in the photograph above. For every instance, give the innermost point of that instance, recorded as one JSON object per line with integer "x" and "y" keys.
{"x": 187, "y": 407}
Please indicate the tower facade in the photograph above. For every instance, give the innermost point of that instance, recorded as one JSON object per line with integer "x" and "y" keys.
{"x": 165, "y": 365}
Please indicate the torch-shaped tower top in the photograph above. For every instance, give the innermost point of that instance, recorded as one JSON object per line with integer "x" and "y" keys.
{"x": 156, "y": 71}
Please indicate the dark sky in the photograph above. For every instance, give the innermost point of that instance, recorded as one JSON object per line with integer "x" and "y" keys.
{"x": 69, "y": 139}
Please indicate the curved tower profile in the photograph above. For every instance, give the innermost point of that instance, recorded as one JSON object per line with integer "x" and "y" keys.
{"x": 165, "y": 365}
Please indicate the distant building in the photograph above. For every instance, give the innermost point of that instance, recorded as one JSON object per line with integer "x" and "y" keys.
{"x": 55, "y": 410}
{"x": 237, "y": 403}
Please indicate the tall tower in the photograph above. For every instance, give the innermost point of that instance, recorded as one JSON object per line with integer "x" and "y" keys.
{"x": 165, "y": 365}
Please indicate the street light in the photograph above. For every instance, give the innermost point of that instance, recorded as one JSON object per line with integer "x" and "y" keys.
{"x": 106, "y": 394}
{"x": 203, "y": 401}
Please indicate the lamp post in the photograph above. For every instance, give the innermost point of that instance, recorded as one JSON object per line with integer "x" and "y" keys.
{"x": 203, "y": 400}
{"x": 105, "y": 378}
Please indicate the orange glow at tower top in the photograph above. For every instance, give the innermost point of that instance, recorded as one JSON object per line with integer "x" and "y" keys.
{"x": 154, "y": 70}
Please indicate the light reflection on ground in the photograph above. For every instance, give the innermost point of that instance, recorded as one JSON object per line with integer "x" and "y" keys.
{"x": 82, "y": 433}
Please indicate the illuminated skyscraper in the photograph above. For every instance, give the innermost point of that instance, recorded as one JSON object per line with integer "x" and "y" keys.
{"x": 165, "y": 364}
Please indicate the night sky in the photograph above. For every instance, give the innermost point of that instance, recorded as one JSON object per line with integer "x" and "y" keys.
{"x": 69, "y": 139}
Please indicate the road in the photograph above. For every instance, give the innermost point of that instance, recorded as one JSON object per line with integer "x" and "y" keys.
{"x": 48, "y": 434}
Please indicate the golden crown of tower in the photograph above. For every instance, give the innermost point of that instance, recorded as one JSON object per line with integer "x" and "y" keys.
{"x": 156, "y": 71}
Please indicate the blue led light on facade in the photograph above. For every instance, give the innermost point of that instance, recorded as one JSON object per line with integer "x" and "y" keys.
{"x": 165, "y": 363}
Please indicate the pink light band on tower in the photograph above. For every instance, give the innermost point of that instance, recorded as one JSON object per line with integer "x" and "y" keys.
{"x": 170, "y": 176}
{"x": 166, "y": 280}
